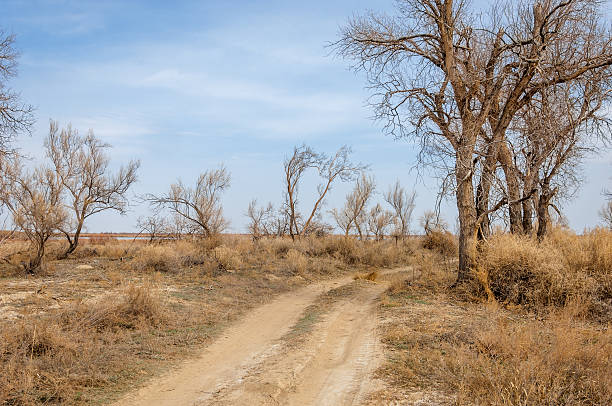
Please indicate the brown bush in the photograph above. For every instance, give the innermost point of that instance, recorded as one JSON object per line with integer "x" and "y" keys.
{"x": 518, "y": 270}
{"x": 136, "y": 308}
{"x": 442, "y": 242}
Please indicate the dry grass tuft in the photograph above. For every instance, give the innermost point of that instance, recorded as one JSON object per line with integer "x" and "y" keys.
{"x": 442, "y": 242}
{"x": 136, "y": 308}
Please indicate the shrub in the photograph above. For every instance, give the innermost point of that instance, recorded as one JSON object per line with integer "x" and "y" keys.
{"x": 518, "y": 270}
{"x": 442, "y": 242}
{"x": 137, "y": 307}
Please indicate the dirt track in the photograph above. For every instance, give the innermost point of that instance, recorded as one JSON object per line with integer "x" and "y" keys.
{"x": 249, "y": 364}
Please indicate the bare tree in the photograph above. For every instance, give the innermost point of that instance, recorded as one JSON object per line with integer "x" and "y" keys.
{"x": 329, "y": 169}
{"x": 34, "y": 201}
{"x": 431, "y": 222}
{"x": 403, "y": 205}
{"x": 455, "y": 82}
{"x": 343, "y": 219}
{"x": 379, "y": 221}
{"x": 262, "y": 221}
{"x": 352, "y": 215}
{"x": 15, "y": 116}
{"x": 81, "y": 166}
{"x": 155, "y": 226}
{"x": 199, "y": 206}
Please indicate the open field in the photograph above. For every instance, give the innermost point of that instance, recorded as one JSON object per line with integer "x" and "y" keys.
{"x": 89, "y": 328}
{"x": 212, "y": 322}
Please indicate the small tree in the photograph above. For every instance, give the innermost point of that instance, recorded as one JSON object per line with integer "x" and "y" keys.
{"x": 402, "y": 203}
{"x": 81, "y": 167}
{"x": 199, "y": 206}
{"x": 353, "y": 212}
{"x": 379, "y": 221}
{"x": 262, "y": 221}
{"x": 155, "y": 226}
{"x": 330, "y": 169}
{"x": 34, "y": 201}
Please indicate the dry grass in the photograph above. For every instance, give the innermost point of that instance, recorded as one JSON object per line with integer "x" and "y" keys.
{"x": 542, "y": 341}
{"x": 118, "y": 311}
{"x": 564, "y": 267}
{"x": 442, "y": 242}
{"x": 369, "y": 276}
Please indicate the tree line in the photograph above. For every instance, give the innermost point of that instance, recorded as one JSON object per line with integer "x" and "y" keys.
{"x": 506, "y": 104}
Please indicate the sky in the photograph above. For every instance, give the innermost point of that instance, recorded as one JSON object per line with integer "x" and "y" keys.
{"x": 187, "y": 86}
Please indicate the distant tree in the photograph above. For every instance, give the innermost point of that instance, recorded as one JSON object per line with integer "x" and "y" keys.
{"x": 402, "y": 203}
{"x": 155, "y": 226}
{"x": 199, "y": 206}
{"x": 353, "y": 214}
{"x": 431, "y": 221}
{"x": 33, "y": 198}
{"x": 379, "y": 221}
{"x": 330, "y": 169}
{"x": 15, "y": 117}
{"x": 81, "y": 166}
{"x": 262, "y": 221}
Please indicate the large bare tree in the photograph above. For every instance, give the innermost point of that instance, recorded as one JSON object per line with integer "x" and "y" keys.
{"x": 454, "y": 79}
{"x": 81, "y": 165}
{"x": 200, "y": 206}
{"x": 329, "y": 168}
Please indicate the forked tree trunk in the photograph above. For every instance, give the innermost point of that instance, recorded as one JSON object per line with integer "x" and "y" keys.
{"x": 72, "y": 242}
{"x": 36, "y": 261}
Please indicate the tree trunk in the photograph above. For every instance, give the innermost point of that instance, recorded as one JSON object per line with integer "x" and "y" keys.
{"x": 528, "y": 206}
{"x": 543, "y": 214}
{"x": 513, "y": 190}
{"x": 72, "y": 242}
{"x": 482, "y": 206}
{"x": 35, "y": 262}
{"x": 467, "y": 216}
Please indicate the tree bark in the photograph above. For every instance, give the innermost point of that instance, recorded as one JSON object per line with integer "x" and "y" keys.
{"x": 467, "y": 215}
{"x": 513, "y": 190}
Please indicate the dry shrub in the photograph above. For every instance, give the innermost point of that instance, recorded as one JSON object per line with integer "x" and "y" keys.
{"x": 32, "y": 357}
{"x": 442, "y": 242}
{"x": 227, "y": 258}
{"x": 137, "y": 308}
{"x": 168, "y": 257}
{"x": 156, "y": 258}
{"x": 518, "y": 270}
{"x": 344, "y": 249}
{"x": 296, "y": 262}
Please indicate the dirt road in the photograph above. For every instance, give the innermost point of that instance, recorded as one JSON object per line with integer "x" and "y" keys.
{"x": 250, "y": 364}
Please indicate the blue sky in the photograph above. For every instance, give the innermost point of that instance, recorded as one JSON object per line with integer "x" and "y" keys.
{"x": 185, "y": 86}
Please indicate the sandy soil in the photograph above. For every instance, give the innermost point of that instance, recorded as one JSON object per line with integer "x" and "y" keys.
{"x": 250, "y": 364}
